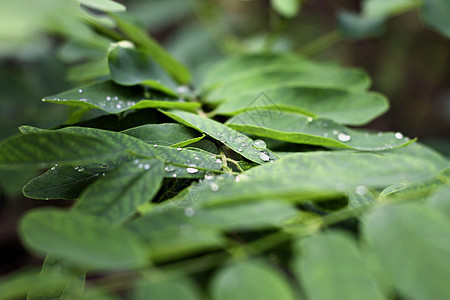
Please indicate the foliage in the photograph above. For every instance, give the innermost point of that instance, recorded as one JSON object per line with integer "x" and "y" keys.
{"x": 250, "y": 184}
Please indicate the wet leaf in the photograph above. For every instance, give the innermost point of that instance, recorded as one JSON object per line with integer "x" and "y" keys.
{"x": 104, "y": 5}
{"x": 117, "y": 196}
{"x": 236, "y": 141}
{"x": 301, "y": 129}
{"x": 176, "y": 289}
{"x": 114, "y": 98}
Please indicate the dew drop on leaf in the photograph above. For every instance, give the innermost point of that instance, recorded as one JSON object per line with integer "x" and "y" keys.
{"x": 264, "y": 156}
{"x": 179, "y": 149}
{"x": 361, "y": 190}
{"x": 147, "y": 167}
{"x": 343, "y": 137}
{"x": 80, "y": 91}
{"x": 259, "y": 144}
{"x": 214, "y": 187}
{"x": 398, "y": 135}
{"x": 192, "y": 169}
{"x": 169, "y": 168}
{"x": 189, "y": 212}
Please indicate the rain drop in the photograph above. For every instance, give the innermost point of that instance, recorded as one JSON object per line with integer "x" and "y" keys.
{"x": 147, "y": 167}
{"x": 218, "y": 161}
{"x": 118, "y": 106}
{"x": 115, "y": 98}
{"x": 155, "y": 146}
{"x": 264, "y": 156}
{"x": 209, "y": 176}
{"x": 259, "y": 144}
{"x": 240, "y": 139}
{"x": 189, "y": 212}
{"x": 179, "y": 149}
{"x": 214, "y": 187}
{"x": 335, "y": 132}
{"x": 310, "y": 119}
{"x": 398, "y": 135}
{"x": 140, "y": 166}
{"x": 174, "y": 175}
{"x": 343, "y": 137}
{"x": 108, "y": 98}
{"x": 237, "y": 179}
{"x": 240, "y": 149}
{"x": 192, "y": 169}
{"x": 136, "y": 161}
{"x": 169, "y": 168}
{"x": 361, "y": 190}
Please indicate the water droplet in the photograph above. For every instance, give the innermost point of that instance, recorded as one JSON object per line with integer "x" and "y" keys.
{"x": 182, "y": 89}
{"x": 310, "y": 119}
{"x": 237, "y": 178}
{"x": 218, "y": 161}
{"x": 189, "y": 212}
{"x": 136, "y": 161}
{"x": 239, "y": 149}
{"x": 147, "y": 167}
{"x": 118, "y": 106}
{"x": 115, "y": 98}
{"x": 398, "y": 135}
{"x": 192, "y": 169}
{"x": 83, "y": 100}
{"x": 174, "y": 175}
{"x": 108, "y": 98}
{"x": 214, "y": 187}
{"x": 80, "y": 91}
{"x": 155, "y": 146}
{"x": 264, "y": 156}
{"x": 169, "y": 168}
{"x": 325, "y": 134}
{"x": 259, "y": 144}
{"x": 361, "y": 190}
{"x": 179, "y": 149}
{"x": 52, "y": 168}
{"x": 335, "y": 132}
{"x": 343, "y": 137}
{"x": 140, "y": 166}
{"x": 103, "y": 174}
{"x": 209, "y": 176}
{"x": 80, "y": 169}
{"x": 196, "y": 158}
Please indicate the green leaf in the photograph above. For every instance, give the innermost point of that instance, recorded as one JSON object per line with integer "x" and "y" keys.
{"x": 257, "y": 73}
{"x": 129, "y": 67}
{"x": 104, "y": 5}
{"x": 180, "y": 162}
{"x": 91, "y": 70}
{"x": 16, "y": 285}
{"x": 424, "y": 235}
{"x": 338, "y": 105}
{"x": 330, "y": 266}
{"x": 81, "y": 239}
{"x": 250, "y": 280}
{"x": 167, "y": 134}
{"x": 286, "y": 8}
{"x": 361, "y": 196}
{"x": 175, "y": 289}
{"x": 117, "y": 196}
{"x": 313, "y": 175}
{"x": 439, "y": 200}
{"x": 49, "y": 148}
{"x": 140, "y": 37}
{"x": 353, "y": 26}
{"x": 60, "y": 182}
{"x": 296, "y": 128}
{"x": 436, "y": 14}
{"x": 74, "y": 281}
{"x": 236, "y": 141}
{"x": 382, "y": 8}
{"x": 114, "y": 98}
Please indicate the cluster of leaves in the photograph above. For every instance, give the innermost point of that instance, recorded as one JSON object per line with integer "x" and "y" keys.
{"x": 249, "y": 186}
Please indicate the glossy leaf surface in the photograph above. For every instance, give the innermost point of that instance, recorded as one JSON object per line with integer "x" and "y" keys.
{"x": 114, "y": 98}
{"x": 240, "y": 143}
{"x": 296, "y": 128}
{"x": 168, "y": 134}
{"x": 104, "y": 5}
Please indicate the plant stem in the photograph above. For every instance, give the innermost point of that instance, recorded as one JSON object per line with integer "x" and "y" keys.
{"x": 321, "y": 43}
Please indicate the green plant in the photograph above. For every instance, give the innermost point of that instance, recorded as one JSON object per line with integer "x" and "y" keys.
{"x": 250, "y": 185}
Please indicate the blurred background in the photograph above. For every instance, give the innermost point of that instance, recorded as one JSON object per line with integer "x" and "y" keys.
{"x": 48, "y": 46}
